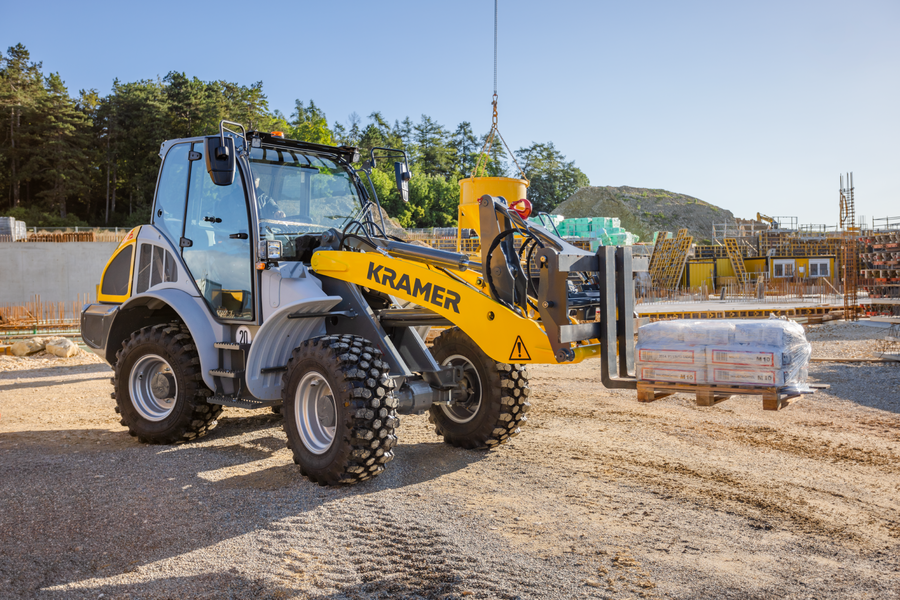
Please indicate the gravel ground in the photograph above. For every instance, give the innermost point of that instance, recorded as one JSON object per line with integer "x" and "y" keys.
{"x": 600, "y": 497}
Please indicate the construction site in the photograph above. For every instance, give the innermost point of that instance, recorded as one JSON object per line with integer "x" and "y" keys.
{"x": 276, "y": 382}
{"x": 684, "y": 488}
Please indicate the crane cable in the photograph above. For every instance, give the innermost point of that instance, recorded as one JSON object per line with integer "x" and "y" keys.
{"x": 489, "y": 141}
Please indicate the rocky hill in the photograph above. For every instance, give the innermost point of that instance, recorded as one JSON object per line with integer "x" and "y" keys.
{"x": 643, "y": 211}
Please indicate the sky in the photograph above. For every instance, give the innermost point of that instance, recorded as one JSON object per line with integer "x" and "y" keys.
{"x": 752, "y": 106}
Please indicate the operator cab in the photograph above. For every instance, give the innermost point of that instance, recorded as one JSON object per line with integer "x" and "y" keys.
{"x": 256, "y": 199}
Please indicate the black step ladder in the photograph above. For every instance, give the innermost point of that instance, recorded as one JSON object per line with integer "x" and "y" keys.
{"x": 236, "y": 373}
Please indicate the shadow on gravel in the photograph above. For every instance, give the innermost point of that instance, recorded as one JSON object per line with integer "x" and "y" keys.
{"x": 57, "y": 371}
{"x": 64, "y": 441}
{"x": 41, "y": 384}
{"x": 211, "y": 585}
{"x": 83, "y": 504}
{"x": 232, "y": 423}
{"x": 880, "y": 382}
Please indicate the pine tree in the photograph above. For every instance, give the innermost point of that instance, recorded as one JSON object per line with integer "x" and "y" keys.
{"x": 465, "y": 148}
{"x": 20, "y": 89}
{"x": 184, "y": 104}
{"x": 434, "y": 153}
{"x": 552, "y": 178}
{"x": 64, "y": 131}
{"x": 309, "y": 124}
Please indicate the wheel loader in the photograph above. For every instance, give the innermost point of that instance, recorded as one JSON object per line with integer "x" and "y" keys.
{"x": 269, "y": 279}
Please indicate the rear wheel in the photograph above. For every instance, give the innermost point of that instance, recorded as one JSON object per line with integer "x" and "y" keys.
{"x": 339, "y": 411}
{"x": 159, "y": 389}
{"x": 490, "y": 403}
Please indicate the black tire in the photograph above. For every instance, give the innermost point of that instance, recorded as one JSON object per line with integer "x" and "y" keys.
{"x": 189, "y": 415}
{"x": 359, "y": 408}
{"x": 494, "y": 409}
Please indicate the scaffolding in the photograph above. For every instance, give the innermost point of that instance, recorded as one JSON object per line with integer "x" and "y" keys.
{"x": 849, "y": 248}
{"x": 668, "y": 260}
{"x": 661, "y": 236}
{"x": 737, "y": 260}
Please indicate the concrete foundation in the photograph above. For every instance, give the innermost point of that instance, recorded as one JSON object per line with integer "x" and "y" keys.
{"x": 57, "y": 272}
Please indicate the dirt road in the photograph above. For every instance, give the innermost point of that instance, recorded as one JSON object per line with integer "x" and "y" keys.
{"x": 600, "y": 497}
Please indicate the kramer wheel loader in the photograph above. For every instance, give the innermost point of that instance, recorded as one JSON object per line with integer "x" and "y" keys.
{"x": 267, "y": 279}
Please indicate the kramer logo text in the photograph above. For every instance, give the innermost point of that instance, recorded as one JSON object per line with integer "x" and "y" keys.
{"x": 437, "y": 295}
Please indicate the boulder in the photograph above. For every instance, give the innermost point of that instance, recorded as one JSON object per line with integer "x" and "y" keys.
{"x": 26, "y": 347}
{"x": 62, "y": 347}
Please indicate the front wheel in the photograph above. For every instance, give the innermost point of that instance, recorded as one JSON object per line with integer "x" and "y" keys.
{"x": 339, "y": 411}
{"x": 488, "y": 406}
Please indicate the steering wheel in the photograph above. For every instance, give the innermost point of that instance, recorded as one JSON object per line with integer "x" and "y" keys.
{"x": 272, "y": 226}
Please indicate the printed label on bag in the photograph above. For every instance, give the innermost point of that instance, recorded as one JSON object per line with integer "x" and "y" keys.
{"x": 742, "y": 357}
{"x": 674, "y": 375}
{"x": 684, "y": 357}
{"x": 741, "y": 376}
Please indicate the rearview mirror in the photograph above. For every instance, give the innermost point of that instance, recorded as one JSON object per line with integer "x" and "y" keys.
{"x": 403, "y": 176}
{"x": 220, "y": 159}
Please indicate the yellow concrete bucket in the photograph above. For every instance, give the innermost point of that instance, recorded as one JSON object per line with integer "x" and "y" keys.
{"x": 473, "y": 188}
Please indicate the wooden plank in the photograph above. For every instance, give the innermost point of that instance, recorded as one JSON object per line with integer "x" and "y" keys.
{"x": 777, "y": 401}
{"x": 710, "y": 395}
{"x": 771, "y": 401}
{"x": 647, "y": 393}
{"x": 708, "y": 398}
{"x": 718, "y": 389}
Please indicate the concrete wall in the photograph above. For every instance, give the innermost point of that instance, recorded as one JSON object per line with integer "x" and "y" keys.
{"x": 58, "y": 272}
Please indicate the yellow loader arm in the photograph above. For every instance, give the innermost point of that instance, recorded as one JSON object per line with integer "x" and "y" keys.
{"x": 545, "y": 301}
{"x": 503, "y": 334}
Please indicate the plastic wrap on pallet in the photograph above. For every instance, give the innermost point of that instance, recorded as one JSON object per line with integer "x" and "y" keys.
{"x": 770, "y": 332}
{"x": 696, "y": 333}
{"x": 702, "y": 333}
{"x": 662, "y": 331}
{"x": 771, "y": 352}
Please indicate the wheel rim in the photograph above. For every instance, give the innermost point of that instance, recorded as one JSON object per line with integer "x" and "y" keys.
{"x": 467, "y": 396}
{"x": 153, "y": 387}
{"x": 315, "y": 412}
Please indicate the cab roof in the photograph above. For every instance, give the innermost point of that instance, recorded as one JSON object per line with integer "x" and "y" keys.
{"x": 349, "y": 153}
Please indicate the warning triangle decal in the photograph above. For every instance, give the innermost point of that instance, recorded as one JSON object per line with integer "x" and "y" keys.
{"x": 519, "y": 351}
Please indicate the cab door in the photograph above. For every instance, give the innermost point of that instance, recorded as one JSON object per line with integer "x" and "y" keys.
{"x": 217, "y": 246}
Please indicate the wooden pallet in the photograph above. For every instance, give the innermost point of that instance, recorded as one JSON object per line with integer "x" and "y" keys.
{"x": 710, "y": 395}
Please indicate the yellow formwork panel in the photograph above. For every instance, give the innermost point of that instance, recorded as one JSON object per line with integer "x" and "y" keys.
{"x": 724, "y": 268}
{"x": 700, "y": 272}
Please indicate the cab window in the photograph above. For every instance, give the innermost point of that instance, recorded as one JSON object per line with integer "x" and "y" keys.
{"x": 168, "y": 211}
{"x": 219, "y": 255}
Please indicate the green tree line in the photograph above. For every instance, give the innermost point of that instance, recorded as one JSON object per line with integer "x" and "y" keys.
{"x": 90, "y": 159}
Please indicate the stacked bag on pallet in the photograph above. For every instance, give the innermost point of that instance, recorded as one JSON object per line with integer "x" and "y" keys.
{"x": 769, "y": 353}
